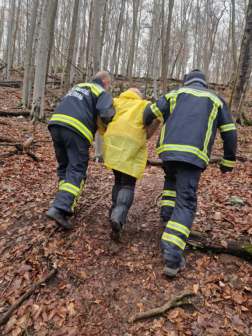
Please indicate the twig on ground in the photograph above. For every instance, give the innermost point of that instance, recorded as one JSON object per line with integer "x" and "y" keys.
{"x": 156, "y": 198}
{"x": 26, "y": 295}
{"x": 8, "y": 285}
{"x": 172, "y": 303}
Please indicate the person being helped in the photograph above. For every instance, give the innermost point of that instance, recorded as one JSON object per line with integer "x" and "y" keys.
{"x": 72, "y": 128}
{"x": 191, "y": 116}
{"x": 125, "y": 151}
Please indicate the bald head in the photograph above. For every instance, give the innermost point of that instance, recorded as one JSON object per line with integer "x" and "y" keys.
{"x": 137, "y": 92}
{"x": 105, "y": 77}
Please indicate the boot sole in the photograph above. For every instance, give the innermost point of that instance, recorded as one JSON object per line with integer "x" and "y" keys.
{"x": 58, "y": 222}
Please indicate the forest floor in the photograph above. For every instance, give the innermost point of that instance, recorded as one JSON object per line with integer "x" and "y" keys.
{"x": 100, "y": 283}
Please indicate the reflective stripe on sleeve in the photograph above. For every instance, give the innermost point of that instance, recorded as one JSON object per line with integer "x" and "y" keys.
{"x": 228, "y": 127}
{"x": 162, "y": 135}
{"x": 227, "y": 163}
{"x": 184, "y": 148}
{"x": 156, "y": 110}
{"x": 168, "y": 203}
{"x": 178, "y": 227}
{"x": 170, "y": 193}
{"x": 75, "y": 123}
{"x": 175, "y": 240}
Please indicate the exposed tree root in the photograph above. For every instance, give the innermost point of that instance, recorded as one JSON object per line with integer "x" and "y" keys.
{"x": 172, "y": 303}
{"x": 14, "y": 113}
{"x": 26, "y": 295}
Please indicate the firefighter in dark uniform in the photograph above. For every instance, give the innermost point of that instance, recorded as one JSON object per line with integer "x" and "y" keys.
{"x": 73, "y": 126}
{"x": 191, "y": 116}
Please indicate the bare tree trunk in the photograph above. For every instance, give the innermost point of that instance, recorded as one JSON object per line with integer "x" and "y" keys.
{"x": 40, "y": 75}
{"x": 51, "y": 37}
{"x": 117, "y": 38}
{"x": 133, "y": 42}
{"x": 33, "y": 54}
{"x": 28, "y": 56}
{"x": 89, "y": 54}
{"x": 2, "y": 22}
{"x": 71, "y": 46}
{"x": 167, "y": 45}
{"x": 156, "y": 14}
{"x": 243, "y": 72}
{"x": 97, "y": 35}
{"x": 15, "y": 33}
{"x": 104, "y": 24}
{"x": 7, "y": 55}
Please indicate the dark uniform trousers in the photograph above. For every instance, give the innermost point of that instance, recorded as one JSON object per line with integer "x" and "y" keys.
{"x": 72, "y": 155}
{"x": 179, "y": 204}
{"x": 122, "y": 196}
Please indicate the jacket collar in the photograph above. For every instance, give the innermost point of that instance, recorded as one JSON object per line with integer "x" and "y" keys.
{"x": 196, "y": 84}
{"x": 98, "y": 81}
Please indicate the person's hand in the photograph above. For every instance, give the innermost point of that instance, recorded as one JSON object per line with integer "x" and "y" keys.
{"x": 225, "y": 174}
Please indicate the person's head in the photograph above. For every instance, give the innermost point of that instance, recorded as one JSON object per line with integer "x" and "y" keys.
{"x": 105, "y": 77}
{"x": 195, "y": 76}
{"x": 136, "y": 91}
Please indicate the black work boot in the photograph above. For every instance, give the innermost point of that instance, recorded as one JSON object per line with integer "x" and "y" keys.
{"x": 173, "y": 268}
{"x": 59, "y": 217}
{"x": 165, "y": 221}
{"x": 116, "y": 228}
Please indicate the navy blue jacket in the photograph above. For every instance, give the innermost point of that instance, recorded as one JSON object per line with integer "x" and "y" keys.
{"x": 191, "y": 116}
{"x": 81, "y": 108}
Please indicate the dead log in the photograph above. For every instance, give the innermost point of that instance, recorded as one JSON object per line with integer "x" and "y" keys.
{"x": 172, "y": 303}
{"x": 242, "y": 249}
{"x": 4, "y": 139}
{"x": 14, "y": 113}
{"x": 11, "y": 82}
{"x": 17, "y": 304}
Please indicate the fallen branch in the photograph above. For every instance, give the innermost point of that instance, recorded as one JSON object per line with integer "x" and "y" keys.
{"x": 220, "y": 245}
{"x": 14, "y": 113}
{"x": 172, "y": 303}
{"x": 26, "y": 295}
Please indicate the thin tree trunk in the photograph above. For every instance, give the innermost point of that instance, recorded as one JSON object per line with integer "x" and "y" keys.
{"x": 40, "y": 75}
{"x": 234, "y": 48}
{"x": 117, "y": 39}
{"x": 7, "y": 58}
{"x": 89, "y": 54}
{"x": 133, "y": 42}
{"x": 15, "y": 33}
{"x": 167, "y": 45}
{"x": 71, "y": 46}
{"x": 156, "y": 13}
{"x": 28, "y": 56}
{"x": 244, "y": 69}
{"x": 97, "y": 35}
{"x": 51, "y": 37}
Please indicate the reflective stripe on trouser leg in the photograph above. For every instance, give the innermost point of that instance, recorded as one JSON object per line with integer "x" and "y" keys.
{"x": 123, "y": 203}
{"x": 178, "y": 228}
{"x": 168, "y": 198}
{"x": 60, "y": 183}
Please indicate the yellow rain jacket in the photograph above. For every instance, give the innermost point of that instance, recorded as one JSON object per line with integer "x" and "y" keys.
{"x": 124, "y": 143}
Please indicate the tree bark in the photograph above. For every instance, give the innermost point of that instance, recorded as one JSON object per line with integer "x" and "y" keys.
{"x": 244, "y": 70}
{"x": 133, "y": 42}
{"x": 234, "y": 48}
{"x": 51, "y": 37}
{"x": 166, "y": 48}
{"x": 7, "y": 56}
{"x": 117, "y": 38}
{"x": 71, "y": 46}
{"x": 40, "y": 75}
{"x": 97, "y": 35}
{"x": 28, "y": 56}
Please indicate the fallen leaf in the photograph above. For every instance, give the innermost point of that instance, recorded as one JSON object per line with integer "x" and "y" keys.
{"x": 195, "y": 288}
